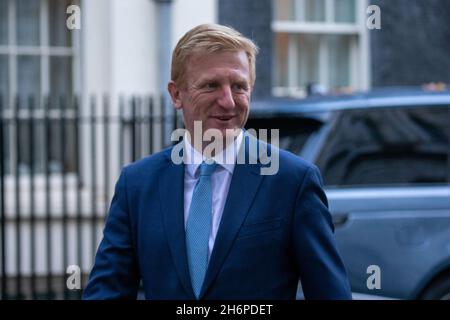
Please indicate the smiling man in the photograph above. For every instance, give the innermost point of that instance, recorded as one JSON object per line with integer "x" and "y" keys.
{"x": 209, "y": 228}
{"x": 212, "y": 83}
{"x": 215, "y": 90}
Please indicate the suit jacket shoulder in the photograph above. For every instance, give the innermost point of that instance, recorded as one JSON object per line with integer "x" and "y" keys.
{"x": 149, "y": 164}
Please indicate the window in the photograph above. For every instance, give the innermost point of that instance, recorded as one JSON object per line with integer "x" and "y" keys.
{"x": 37, "y": 56}
{"x": 294, "y": 131}
{"x": 401, "y": 146}
{"x": 320, "y": 42}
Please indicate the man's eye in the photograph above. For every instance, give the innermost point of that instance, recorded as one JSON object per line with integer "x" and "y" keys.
{"x": 211, "y": 85}
{"x": 239, "y": 87}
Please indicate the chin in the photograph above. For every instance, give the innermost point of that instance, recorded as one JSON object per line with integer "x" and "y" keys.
{"x": 230, "y": 129}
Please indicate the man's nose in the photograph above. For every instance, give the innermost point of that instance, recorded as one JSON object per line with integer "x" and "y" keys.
{"x": 226, "y": 98}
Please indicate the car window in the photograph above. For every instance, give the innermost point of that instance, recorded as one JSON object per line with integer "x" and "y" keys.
{"x": 387, "y": 146}
{"x": 293, "y": 131}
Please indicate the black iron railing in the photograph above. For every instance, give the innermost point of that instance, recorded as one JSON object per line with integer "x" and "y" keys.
{"x": 60, "y": 158}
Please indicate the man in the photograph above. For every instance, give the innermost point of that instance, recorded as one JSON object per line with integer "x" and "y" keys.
{"x": 209, "y": 228}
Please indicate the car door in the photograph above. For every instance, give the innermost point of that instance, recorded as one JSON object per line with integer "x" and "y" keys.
{"x": 386, "y": 172}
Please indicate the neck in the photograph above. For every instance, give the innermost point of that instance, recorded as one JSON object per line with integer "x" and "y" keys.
{"x": 216, "y": 143}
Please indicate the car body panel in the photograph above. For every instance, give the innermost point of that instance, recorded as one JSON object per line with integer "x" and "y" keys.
{"x": 400, "y": 222}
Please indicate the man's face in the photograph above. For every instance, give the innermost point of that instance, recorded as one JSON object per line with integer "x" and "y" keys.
{"x": 216, "y": 91}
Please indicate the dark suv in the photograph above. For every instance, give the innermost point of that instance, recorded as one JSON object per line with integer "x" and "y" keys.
{"x": 385, "y": 161}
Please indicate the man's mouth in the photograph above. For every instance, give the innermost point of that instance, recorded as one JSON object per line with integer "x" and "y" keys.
{"x": 223, "y": 117}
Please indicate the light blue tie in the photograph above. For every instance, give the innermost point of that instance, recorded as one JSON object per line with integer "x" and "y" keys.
{"x": 198, "y": 227}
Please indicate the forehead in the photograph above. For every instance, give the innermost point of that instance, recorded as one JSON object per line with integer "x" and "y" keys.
{"x": 221, "y": 63}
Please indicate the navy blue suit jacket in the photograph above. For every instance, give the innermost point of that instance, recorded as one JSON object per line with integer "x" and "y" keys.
{"x": 274, "y": 230}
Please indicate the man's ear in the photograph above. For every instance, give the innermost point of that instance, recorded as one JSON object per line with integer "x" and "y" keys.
{"x": 175, "y": 94}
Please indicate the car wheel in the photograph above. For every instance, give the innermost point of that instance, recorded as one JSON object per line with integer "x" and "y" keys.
{"x": 439, "y": 289}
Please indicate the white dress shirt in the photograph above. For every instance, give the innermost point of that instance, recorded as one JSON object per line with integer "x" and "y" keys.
{"x": 220, "y": 181}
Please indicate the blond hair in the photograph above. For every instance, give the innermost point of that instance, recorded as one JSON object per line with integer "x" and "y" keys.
{"x": 210, "y": 38}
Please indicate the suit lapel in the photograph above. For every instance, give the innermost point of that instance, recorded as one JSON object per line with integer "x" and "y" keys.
{"x": 246, "y": 178}
{"x": 172, "y": 203}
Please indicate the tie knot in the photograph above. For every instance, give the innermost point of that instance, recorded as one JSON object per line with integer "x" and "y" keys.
{"x": 207, "y": 169}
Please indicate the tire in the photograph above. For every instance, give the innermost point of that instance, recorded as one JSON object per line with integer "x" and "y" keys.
{"x": 439, "y": 289}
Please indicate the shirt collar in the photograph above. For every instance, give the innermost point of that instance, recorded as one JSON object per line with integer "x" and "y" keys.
{"x": 226, "y": 159}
